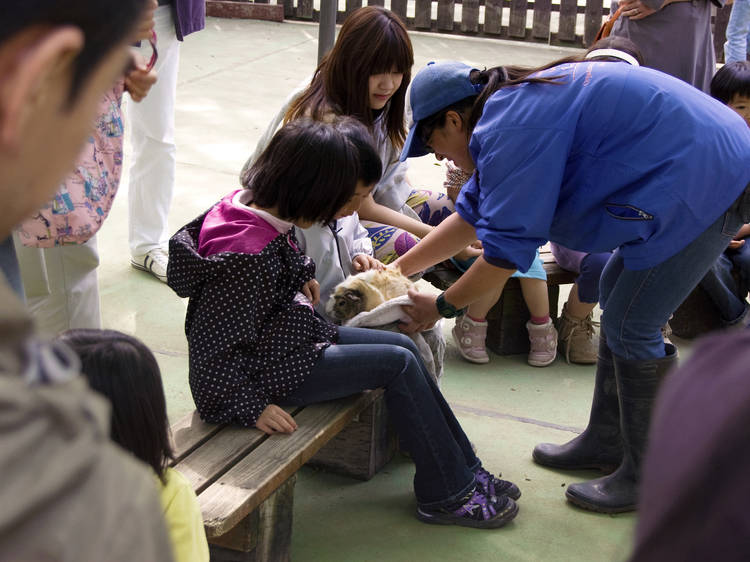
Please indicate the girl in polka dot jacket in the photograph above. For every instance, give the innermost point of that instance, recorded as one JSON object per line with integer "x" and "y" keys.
{"x": 255, "y": 340}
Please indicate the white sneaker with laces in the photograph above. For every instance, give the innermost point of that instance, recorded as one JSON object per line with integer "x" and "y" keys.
{"x": 154, "y": 262}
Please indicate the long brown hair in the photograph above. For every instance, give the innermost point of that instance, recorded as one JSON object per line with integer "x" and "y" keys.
{"x": 372, "y": 40}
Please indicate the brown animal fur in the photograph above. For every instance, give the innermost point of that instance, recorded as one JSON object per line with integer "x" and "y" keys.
{"x": 364, "y": 291}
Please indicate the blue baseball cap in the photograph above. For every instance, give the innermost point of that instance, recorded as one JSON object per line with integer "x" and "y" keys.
{"x": 436, "y": 86}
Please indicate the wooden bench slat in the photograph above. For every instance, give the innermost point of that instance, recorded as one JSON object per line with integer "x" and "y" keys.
{"x": 227, "y": 446}
{"x": 189, "y": 432}
{"x": 245, "y": 486}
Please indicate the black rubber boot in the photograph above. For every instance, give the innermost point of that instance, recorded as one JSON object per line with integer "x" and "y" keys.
{"x": 600, "y": 445}
{"x": 637, "y": 384}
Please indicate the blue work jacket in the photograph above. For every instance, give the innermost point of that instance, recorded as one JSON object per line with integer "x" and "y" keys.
{"x": 610, "y": 156}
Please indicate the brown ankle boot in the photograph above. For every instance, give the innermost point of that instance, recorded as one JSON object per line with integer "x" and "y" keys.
{"x": 577, "y": 338}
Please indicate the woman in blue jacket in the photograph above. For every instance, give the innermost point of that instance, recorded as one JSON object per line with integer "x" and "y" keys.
{"x": 594, "y": 156}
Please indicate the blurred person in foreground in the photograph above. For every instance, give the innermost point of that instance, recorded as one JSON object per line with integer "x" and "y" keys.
{"x": 694, "y": 488}
{"x": 67, "y": 493}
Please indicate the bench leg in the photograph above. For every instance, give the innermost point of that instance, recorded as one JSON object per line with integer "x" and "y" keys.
{"x": 506, "y": 321}
{"x": 264, "y": 535}
{"x": 363, "y": 447}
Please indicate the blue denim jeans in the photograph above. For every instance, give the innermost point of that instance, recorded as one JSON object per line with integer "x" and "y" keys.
{"x": 737, "y": 45}
{"x": 725, "y": 292}
{"x": 367, "y": 359}
{"x": 637, "y": 304}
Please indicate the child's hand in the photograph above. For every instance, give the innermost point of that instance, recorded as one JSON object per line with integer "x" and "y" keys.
{"x": 735, "y": 244}
{"x": 275, "y": 420}
{"x": 311, "y": 290}
{"x": 138, "y": 81}
{"x": 363, "y": 262}
{"x": 468, "y": 253}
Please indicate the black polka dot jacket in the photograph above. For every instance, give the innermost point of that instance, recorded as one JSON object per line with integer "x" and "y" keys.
{"x": 252, "y": 340}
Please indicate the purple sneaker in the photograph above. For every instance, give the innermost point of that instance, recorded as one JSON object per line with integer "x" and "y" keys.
{"x": 494, "y": 487}
{"x": 474, "y": 510}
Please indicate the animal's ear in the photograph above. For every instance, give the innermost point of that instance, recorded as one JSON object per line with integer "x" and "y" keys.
{"x": 353, "y": 296}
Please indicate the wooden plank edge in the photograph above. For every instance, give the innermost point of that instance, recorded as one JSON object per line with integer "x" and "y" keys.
{"x": 217, "y": 526}
{"x": 198, "y": 433}
{"x": 250, "y": 438}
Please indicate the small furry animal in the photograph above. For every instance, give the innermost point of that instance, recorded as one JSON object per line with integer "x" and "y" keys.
{"x": 364, "y": 291}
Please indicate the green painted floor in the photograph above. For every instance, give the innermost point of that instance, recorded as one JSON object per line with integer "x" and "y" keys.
{"x": 233, "y": 77}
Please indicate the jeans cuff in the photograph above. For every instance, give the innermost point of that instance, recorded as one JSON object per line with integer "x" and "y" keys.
{"x": 446, "y": 502}
{"x": 742, "y": 321}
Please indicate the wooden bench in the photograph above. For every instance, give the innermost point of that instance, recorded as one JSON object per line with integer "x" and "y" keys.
{"x": 245, "y": 479}
{"x": 506, "y": 330}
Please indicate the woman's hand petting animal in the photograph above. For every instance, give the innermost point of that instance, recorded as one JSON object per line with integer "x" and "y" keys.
{"x": 635, "y": 9}
{"x": 311, "y": 290}
{"x": 423, "y": 312}
{"x": 363, "y": 262}
{"x": 275, "y": 420}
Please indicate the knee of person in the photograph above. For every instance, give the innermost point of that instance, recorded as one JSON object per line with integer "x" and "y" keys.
{"x": 404, "y": 359}
{"x": 593, "y": 265}
{"x": 404, "y": 341}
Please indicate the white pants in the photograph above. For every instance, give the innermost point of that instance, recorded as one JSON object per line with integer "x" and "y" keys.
{"x": 61, "y": 286}
{"x": 152, "y": 136}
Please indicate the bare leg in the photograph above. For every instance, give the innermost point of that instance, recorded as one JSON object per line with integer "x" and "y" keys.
{"x": 478, "y": 310}
{"x": 576, "y": 308}
{"x": 535, "y": 296}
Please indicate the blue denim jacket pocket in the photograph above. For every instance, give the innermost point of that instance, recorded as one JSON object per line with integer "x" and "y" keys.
{"x": 627, "y": 212}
